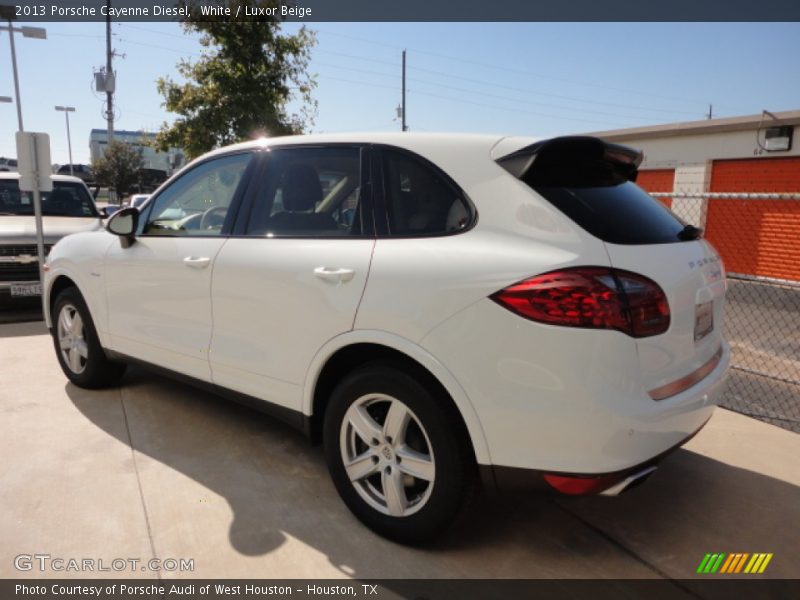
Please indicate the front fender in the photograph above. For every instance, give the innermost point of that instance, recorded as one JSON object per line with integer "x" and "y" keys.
{"x": 80, "y": 258}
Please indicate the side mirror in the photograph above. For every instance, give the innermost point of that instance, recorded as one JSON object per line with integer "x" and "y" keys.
{"x": 124, "y": 224}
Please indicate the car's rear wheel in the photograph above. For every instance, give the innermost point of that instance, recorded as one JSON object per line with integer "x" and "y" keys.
{"x": 78, "y": 348}
{"x": 394, "y": 453}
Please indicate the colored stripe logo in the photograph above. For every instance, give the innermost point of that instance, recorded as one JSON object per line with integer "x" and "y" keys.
{"x": 735, "y": 562}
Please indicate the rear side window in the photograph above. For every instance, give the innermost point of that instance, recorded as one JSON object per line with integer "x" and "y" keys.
{"x": 619, "y": 214}
{"x": 590, "y": 182}
{"x": 419, "y": 200}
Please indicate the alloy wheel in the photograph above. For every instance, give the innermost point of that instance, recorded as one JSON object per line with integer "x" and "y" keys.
{"x": 387, "y": 455}
{"x": 72, "y": 339}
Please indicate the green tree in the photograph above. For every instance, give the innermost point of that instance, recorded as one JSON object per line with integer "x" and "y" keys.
{"x": 241, "y": 85}
{"x": 119, "y": 168}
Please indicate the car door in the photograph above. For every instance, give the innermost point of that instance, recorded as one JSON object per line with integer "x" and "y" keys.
{"x": 158, "y": 289}
{"x": 291, "y": 277}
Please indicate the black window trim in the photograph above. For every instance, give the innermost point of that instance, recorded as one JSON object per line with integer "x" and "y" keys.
{"x": 381, "y": 212}
{"x": 233, "y": 209}
{"x": 367, "y": 211}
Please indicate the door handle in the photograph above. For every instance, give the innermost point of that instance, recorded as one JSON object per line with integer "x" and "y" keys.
{"x": 197, "y": 262}
{"x": 337, "y": 275}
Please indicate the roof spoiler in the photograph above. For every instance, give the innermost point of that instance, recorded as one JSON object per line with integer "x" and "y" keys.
{"x": 572, "y": 152}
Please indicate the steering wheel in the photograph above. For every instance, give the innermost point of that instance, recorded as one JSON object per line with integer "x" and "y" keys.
{"x": 206, "y": 219}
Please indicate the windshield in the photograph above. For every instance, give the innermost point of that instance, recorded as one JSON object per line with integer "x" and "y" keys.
{"x": 68, "y": 199}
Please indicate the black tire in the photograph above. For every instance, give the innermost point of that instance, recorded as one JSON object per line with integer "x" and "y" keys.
{"x": 94, "y": 370}
{"x": 433, "y": 431}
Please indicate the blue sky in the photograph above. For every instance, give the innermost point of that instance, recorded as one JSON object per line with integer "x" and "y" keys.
{"x": 518, "y": 78}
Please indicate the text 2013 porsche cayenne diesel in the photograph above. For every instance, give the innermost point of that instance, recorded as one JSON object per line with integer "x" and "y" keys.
{"x": 438, "y": 310}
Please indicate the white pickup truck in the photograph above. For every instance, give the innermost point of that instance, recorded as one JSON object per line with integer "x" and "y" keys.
{"x": 69, "y": 208}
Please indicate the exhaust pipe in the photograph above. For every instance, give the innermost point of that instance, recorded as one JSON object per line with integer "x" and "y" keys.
{"x": 629, "y": 482}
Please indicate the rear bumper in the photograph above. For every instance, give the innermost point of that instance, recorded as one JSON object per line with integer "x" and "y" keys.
{"x": 511, "y": 479}
{"x": 566, "y": 400}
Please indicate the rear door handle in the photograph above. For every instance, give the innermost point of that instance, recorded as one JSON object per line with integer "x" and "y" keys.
{"x": 197, "y": 262}
{"x": 337, "y": 275}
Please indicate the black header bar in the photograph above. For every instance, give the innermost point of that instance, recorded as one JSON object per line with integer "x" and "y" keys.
{"x": 309, "y": 11}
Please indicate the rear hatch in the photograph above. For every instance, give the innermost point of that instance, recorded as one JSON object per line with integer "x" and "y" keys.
{"x": 592, "y": 182}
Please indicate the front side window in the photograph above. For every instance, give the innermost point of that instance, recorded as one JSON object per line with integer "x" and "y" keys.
{"x": 419, "y": 200}
{"x": 67, "y": 199}
{"x": 309, "y": 192}
{"x": 197, "y": 203}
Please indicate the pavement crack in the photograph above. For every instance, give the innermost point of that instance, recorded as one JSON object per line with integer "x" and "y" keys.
{"x": 626, "y": 550}
{"x": 138, "y": 481}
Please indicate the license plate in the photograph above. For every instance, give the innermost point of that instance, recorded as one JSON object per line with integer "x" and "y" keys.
{"x": 703, "y": 320}
{"x": 26, "y": 289}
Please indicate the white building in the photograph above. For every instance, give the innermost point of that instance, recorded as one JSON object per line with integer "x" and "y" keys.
{"x": 738, "y": 178}
{"x": 167, "y": 162}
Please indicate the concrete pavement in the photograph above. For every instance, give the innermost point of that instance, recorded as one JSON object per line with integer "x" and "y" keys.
{"x": 158, "y": 469}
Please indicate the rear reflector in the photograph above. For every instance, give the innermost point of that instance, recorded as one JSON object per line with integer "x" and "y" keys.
{"x": 687, "y": 381}
{"x": 581, "y": 486}
{"x": 591, "y": 297}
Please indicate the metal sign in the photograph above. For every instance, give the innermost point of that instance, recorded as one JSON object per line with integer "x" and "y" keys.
{"x": 33, "y": 158}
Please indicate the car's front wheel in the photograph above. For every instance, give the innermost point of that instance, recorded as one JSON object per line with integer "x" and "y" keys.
{"x": 394, "y": 453}
{"x": 78, "y": 348}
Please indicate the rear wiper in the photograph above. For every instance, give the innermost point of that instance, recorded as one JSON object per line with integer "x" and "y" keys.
{"x": 690, "y": 232}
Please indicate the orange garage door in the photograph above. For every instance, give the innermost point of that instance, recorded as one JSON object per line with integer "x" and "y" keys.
{"x": 657, "y": 180}
{"x": 757, "y": 237}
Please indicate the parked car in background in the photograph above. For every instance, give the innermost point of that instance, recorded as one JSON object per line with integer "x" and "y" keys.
{"x": 137, "y": 200}
{"x": 435, "y": 309}
{"x": 83, "y": 172}
{"x": 109, "y": 209}
{"x": 8, "y": 164}
{"x": 69, "y": 208}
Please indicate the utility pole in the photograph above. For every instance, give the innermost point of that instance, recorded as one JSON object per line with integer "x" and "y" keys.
{"x": 109, "y": 76}
{"x": 405, "y": 127}
{"x": 710, "y": 111}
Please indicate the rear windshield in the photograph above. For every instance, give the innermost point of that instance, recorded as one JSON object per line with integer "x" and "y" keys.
{"x": 67, "y": 199}
{"x": 590, "y": 181}
{"x": 619, "y": 214}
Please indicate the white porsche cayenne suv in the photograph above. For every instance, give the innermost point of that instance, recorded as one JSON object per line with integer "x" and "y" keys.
{"x": 437, "y": 310}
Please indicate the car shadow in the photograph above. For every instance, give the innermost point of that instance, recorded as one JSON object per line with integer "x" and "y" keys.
{"x": 278, "y": 488}
{"x": 21, "y": 323}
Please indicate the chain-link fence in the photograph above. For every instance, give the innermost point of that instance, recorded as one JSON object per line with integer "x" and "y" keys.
{"x": 758, "y": 237}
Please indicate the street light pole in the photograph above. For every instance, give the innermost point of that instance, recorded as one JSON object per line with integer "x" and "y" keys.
{"x": 29, "y": 32}
{"x": 8, "y": 14}
{"x": 66, "y": 110}
{"x": 16, "y": 77}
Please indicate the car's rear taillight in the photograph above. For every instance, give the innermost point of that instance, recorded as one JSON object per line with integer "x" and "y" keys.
{"x": 591, "y": 297}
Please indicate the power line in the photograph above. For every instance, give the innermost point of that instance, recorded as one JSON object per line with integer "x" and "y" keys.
{"x": 77, "y": 35}
{"x": 495, "y": 67}
{"x": 463, "y": 101}
{"x": 511, "y": 88}
{"x": 156, "y": 47}
{"x": 444, "y": 74}
{"x": 508, "y": 109}
{"x": 473, "y": 92}
{"x": 149, "y": 30}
